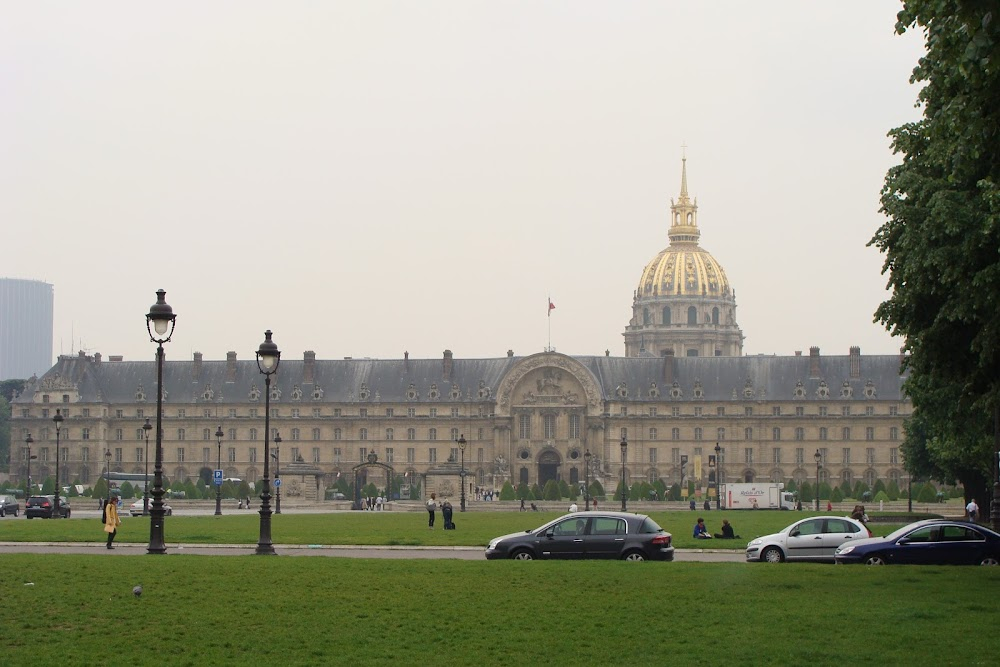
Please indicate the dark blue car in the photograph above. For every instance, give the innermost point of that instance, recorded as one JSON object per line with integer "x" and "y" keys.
{"x": 928, "y": 542}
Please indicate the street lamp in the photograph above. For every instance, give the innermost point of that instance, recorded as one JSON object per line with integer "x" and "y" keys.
{"x": 624, "y": 445}
{"x": 276, "y": 455}
{"x": 57, "y": 510}
{"x": 146, "y": 428}
{"x": 995, "y": 501}
{"x": 218, "y": 486}
{"x": 819, "y": 458}
{"x": 160, "y": 323}
{"x": 28, "y": 440}
{"x": 461, "y": 448}
{"x": 718, "y": 478}
{"x": 107, "y": 471}
{"x": 586, "y": 481}
{"x": 268, "y": 358}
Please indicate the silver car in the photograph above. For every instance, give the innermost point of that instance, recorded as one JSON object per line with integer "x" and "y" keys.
{"x": 812, "y": 539}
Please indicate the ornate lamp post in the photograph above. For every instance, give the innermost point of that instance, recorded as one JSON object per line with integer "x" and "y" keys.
{"x": 57, "y": 509}
{"x": 160, "y": 323}
{"x": 268, "y": 358}
{"x": 28, "y": 440}
{"x": 718, "y": 477}
{"x": 146, "y": 428}
{"x": 461, "y": 474}
{"x": 995, "y": 502}
{"x": 218, "y": 487}
{"x": 586, "y": 481}
{"x": 819, "y": 458}
{"x": 276, "y": 455}
{"x": 107, "y": 471}
{"x": 624, "y": 446}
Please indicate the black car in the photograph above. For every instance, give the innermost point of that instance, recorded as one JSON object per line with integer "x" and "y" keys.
{"x": 41, "y": 506}
{"x": 581, "y": 535}
{"x": 928, "y": 542}
{"x": 9, "y": 505}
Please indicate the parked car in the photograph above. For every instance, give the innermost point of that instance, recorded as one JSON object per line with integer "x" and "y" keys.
{"x": 812, "y": 539}
{"x": 42, "y": 507}
{"x": 586, "y": 535}
{"x": 9, "y": 505}
{"x": 135, "y": 509}
{"x": 927, "y": 542}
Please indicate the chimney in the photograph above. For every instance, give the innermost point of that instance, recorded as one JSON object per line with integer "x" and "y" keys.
{"x": 814, "y": 363}
{"x": 668, "y": 366}
{"x": 446, "y": 366}
{"x": 230, "y": 367}
{"x": 97, "y": 357}
{"x": 510, "y": 353}
{"x": 406, "y": 361}
{"x": 855, "y": 362}
{"x": 798, "y": 353}
{"x": 309, "y": 367}
{"x": 196, "y": 369}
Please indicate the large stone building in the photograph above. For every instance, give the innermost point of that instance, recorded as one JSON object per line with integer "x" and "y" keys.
{"x": 681, "y": 389}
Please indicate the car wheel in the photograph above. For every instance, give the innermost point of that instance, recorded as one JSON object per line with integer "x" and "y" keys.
{"x": 170, "y": 512}
{"x": 634, "y": 555}
{"x": 67, "y": 514}
{"x": 772, "y": 555}
{"x": 990, "y": 560}
{"x": 522, "y": 554}
{"x": 3, "y": 513}
{"x": 875, "y": 560}
{"x": 30, "y": 517}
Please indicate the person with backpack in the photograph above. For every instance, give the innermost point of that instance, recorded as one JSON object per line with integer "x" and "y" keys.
{"x": 431, "y": 509}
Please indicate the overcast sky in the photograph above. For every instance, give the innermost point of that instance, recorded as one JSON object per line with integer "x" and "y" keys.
{"x": 369, "y": 178}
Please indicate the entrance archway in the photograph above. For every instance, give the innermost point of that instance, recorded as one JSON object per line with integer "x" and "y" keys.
{"x": 361, "y": 472}
{"x": 548, "y": 467}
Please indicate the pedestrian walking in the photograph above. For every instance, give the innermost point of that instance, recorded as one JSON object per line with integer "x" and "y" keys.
{"x": 972, "y": 509}
{"x": 111, "y": 521}
{"x": 431, "y": 509}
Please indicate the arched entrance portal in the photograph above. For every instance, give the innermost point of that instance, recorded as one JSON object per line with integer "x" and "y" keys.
{"x": 361, "y": 473}
{"x": 548, "y": 467}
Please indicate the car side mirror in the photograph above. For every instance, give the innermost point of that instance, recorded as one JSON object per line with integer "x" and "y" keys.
{"x": 549, "y": 534}
{"x": 794, "y": 533}
{"x": 903, "y": 540}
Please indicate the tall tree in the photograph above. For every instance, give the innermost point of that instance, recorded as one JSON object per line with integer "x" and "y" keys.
{"x": 941, "y": 241}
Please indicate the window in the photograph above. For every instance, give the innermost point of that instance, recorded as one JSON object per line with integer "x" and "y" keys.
{"x": 253, "y": 413}
{"x": 336, "y": 412}
{"x": 363, "y": 413}
{"x": 389, "y": 412}
{"x": 139, "y": 434}
{"x": 434, "y": 412}
{"x": 675, "y": 455}
{"x": 748, "y": 411}
{"x": 432, "y": 455}
{"x": 720, "y": 433}
{"x": 776, "y": 455}
{"x": 181, "y": 413}
{"x": 180, "y": 455}
{"x": 363, "y": 435}
{"x": 800, "y": 411}
{"x": 869, "y": 433}
{"x": 411, "y": 454}
{"x": 295, "y": 454}
{"x": 822, "y": 433}
{"x": 180, "y": 434}
{"x": 845, "y": 411}
{"x": 652, "y": 454}
{"x": 720, "y": 411}
{"x": 231, "y": 454}
{"x": 675, "y": 412}
{"x": 84, "y": 454}
{"x": 295, "y": 413}
{"x": 390, "y": 434}
{"x": 894, "y": 456}
{"x": 338, "y": 455}
{"x": 869, "y": 410}
{"x": 822, "y": 411}
{"x": 362, "y": 453}
{"x": 748, "y": 455}
{"x": 253, "y": 434}
{"x": 388, "y": 454}
{"x": 697, "y": 433}
{"x": 748, "y": 433}
{"x": 316, "y": 434}
{"x": 549, "y": 426}
{"x": 119, "y": 434}
{"x": 454, "y": 412}
{"x": 697, "y": 412}
{"x": 232, "y": 413}
{"x": 893, "y": 433}
{"x": 675, "y": 434}
{"x": 206, "y": 455}
{"x": 775, "y": 433}
{"x": 411, "y": 412}
{"x": 846, "y": 456}
{"x": 138, "y": 454}
{"x": 206, "y": 434}
{"x": 453, "y": 454}
{"x": 652, "y": 411}
{"x": 800, "y": 456}
{"x": 652, "y": 434}
{"x": 800, "y": 433}
{"x": 454, "y": 435}
{"x": 893, "y": 410}
{"x": 524, "y": 427}
{"x": 232, "y": 434}
{"x": 776, "y": 411}
{"x": 275, "y": 412}
{"x": 845, "y": 433}
{"x": 337, "y": 434}
{"x": 870, "y": 456}
{"x": 411, "y": 434}
{"x": 296, "y": 434}
{"x": 432, "y": 434}
{"x": 252, "y": 453}
{"x": 692, "y": 315}
{"x": 624, "y": 411}
{"x": 574, "y": 426}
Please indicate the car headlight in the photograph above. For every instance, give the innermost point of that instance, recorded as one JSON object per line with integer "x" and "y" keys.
{"x": 845, "y": 550}
{"x": 755, "y": 542}
{"x": 493, "y": 545}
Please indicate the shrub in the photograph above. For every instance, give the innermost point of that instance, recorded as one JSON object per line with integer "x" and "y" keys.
{"x": 551, "y": 491}
{"x": 523, "y": 491}
{"x": 927, "y": 494}
{"x": 675, "y": 491}
{"x": 507, "y": 491}
{"x": 596, "y": 489}
{"x": 845, "y": 491}
{"x": 824, "y": 491}
{"x": 892, "y": 491}
{"x": 574, "y": 491}
{"x": 881, "y": 496}
{"x": 837, "y": 495}
{"x": 618, "y": 492}
{"x": 806, "y": 493}
{"x": 879, "y": 486}
{"x": 661, "y": 489}
{"x": 564, "y": 489}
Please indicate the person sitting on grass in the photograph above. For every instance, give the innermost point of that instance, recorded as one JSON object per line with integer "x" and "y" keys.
{"x": 700, "y": 532}
{"x": 727, "y": 531}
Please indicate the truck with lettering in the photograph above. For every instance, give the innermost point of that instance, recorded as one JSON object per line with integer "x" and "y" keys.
{"x": 757, "y": 495}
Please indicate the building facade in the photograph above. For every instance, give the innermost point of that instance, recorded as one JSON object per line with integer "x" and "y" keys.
{"x": 25, "y": 328}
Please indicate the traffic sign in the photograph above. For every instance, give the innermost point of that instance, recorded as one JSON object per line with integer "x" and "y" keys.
{"x": 217, "y": 477}
{"x": 277, "y": 483}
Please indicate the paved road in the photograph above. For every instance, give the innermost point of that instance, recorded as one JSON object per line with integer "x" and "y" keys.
{"x": 336, "y": 551}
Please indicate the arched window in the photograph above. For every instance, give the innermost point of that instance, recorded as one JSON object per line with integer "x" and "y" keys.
{"x": 715, "y": 315}
{"x": 690, "y": 218}
{"x": 574, "y": 476}
{"x": 666, "y": 315}
{"x": 645, "y": 315}
{"x": 692, "y": 315}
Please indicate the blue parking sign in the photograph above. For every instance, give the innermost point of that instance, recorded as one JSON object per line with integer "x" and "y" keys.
{"x": 217, "y": 476}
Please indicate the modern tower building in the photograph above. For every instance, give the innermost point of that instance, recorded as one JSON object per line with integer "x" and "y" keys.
{"x": 25, "y": 328}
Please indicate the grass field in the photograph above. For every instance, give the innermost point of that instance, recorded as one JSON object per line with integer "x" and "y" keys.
{"x": 379, "y": 528}
{"x": 195, "y": 610}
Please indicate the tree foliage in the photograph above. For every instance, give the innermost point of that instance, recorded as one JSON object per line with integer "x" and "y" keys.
{"x": 941, "y": 241}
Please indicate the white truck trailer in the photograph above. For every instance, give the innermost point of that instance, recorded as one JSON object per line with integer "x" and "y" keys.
{"x": 763, "y": 495}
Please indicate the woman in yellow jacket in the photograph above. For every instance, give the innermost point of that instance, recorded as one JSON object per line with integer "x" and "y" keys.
{"x": 111, "y": 520}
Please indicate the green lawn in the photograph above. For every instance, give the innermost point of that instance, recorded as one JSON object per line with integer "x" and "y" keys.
{"x": 196, "y": 610}
{"x": 381, "y": 528}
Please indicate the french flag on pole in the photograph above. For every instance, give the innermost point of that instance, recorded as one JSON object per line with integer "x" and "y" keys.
{"x": 551, "y": 306}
